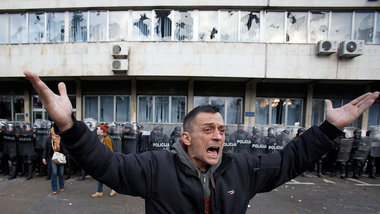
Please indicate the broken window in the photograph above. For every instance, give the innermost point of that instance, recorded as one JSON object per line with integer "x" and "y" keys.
{"x": 17, "y": 28}
{"x": 2, "y": 28}
{"x": 377, "y": 39}
{"x": 142, "y": 25}
{"x": 229, "y": 107}
{"x": 208, "y": 26}
{"x": 98, "y": 26}
{"x": 36, "y": 27}
{"x": 55, "y": 27}
{"x": 118, "y": 30}
{"x": 296, "y": 27}
{"x": 363, "y": 29}
{"x": 319, "y": 22}
{"x": 228, "y": 26}
{"x": 78, "y": 26}
{"x": 340, "y": 26}
{"x": 163, "y": 25}
{"x": 249, "y": 26}
{"x": 184, "y": 23}
{"x": 274, "y": 27}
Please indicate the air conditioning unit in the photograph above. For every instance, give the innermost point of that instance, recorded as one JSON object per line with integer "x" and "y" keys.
{"x": 351, "y": 48}
{"x": 120, "y": 51}
{"x": 120, "y": 66}
{"x": 327, "y": 47}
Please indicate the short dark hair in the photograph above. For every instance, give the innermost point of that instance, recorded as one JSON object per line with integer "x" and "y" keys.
{"x": 189, "y": 118}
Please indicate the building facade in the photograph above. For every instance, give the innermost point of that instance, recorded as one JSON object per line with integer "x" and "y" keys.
{"x": 255, "y": 59}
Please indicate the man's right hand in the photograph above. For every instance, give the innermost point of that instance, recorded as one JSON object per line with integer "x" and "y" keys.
{"x": 58, "y": 107}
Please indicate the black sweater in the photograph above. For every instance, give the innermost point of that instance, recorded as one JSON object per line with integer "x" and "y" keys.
{"x": 169, "y": 186}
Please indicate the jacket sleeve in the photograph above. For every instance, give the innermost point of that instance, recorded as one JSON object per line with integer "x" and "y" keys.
{"x": 272, "y": 170}
{"x": 128, "y": 174}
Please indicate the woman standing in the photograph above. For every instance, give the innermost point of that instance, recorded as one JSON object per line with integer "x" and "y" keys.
{"x": 56, "y": 169}
{"x": 101, "y": 131}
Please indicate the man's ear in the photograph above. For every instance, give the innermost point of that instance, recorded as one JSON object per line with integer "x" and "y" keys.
{"x": 186, "y": 138}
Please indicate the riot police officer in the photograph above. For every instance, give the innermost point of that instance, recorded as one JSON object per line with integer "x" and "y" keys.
{"x": 26, "y": 148}
{"x": 175, "y": 136}
{"x": 129, "y": 139}
{"x": 361, "y": 147}
{"x": 143, "y": 141}
{"x": 159, "y": 139}
{"x": 272, "y": 142}
{"x": 242, "y": 140}
{"x": 374, "y": 153}
{"x": 2, "y": 160}
{"x": 258, "y": 143}
{"x": 42, "y": 137}
{"x": 229, "y": 146}
{"x": 116, "y": 138}
{"x": 10, "y": 149}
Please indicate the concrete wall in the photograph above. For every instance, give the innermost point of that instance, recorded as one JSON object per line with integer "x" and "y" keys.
{"x": 59, "y": 4}
{"x": 189, "y": 59}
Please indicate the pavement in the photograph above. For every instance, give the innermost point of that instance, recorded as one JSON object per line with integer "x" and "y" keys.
{"x": 309, "y": 194}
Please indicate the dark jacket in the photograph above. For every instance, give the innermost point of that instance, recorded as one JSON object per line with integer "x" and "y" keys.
{"x": 169, "y": 186}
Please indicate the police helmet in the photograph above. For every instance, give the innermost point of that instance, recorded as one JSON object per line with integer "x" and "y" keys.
{"x": 300, "y": 131}
{"x": 270, "y": 131}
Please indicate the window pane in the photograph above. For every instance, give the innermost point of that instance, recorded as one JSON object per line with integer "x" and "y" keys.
{"x": 220, "y": 103}
{"x": 363, "y": 29}
{"x": 122, "y": 108}
{"x": 145, "y": 109}
{"x": 340, "y": 26}
{"x": 73, "y": 100}
{"x": 18, "y": 104}
{"x": 274, "y": 29}
{"x": 5, "y": 108}
{"x": 98, "y": 26}
{"x": 36, "y": 27}
{"x": 106, "y": 108}
{"x": 377, "y": 39}
{"x": 374, "y": 114}
{"x": 178, "y": 109}
{"x": 118, "y": 26}
{"x": 318, "y": 109}
{"x": 262, "y": 111}
{"x": 91, "y": 107}
{"x": 228, "y": 26}
{"x": 296, "y": 27}
{"x": 249, "y": 26}
{"x": 208, "y": 25}
{"x": 278, "y": 111}
{"x": 55, "y": 27}
{"x": 78, "y": 26}
{"x": 199, "y": 101}
{"x": 162, "y": 25}
{"x": 142, "y": 25}
{"x": 183, "y": 26}
{"x": 17, "y": 25}
{"x": 294, "y": 112}
{"x": 161, "y": 110}
{"x": 319, "y": 22}
{"x": 36, "y": 101}
{"x": 234, "y": 107}
{"x": 2, "y": 28}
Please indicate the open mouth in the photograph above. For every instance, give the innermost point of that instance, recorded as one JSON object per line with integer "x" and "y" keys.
{"x": 213, "y": 151}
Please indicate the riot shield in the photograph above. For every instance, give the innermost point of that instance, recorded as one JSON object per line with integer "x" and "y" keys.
{"x": 159, "y": 140}
{"x": 242, "y": 139}
{"x": 129, "y": 139}
{"x": 363, "y": 149}
{"x": 115, "y": 136}
{"x": 375, "y": 148}
{"x": 344, "y": 150}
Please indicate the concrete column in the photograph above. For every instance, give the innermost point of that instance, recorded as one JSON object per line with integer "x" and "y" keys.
{"x": 309, "y": 105}
{"x": 365, "y": 116}
{"x": 78, "y": 100}
{"x": 250, "y": 102}
{"x": 190, "y": 95}
{"x": 27, "y": 106}
{"x": 133, "y": 113}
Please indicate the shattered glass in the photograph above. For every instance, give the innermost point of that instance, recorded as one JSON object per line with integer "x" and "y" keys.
{"x": 249, "y": 26}
{"x": 262, "y": 111}
{"x": 208, "y": 26}
{"x": 36, "y": 27}
{"x": 142, "y": 25}
{"x": 118, "y": 30}
{"x": 2, "y": 28}
{"x": 228, "y": 26}
{"x": 296, "y": 28}
{"x": 363, "y": 26}
{"x": 319, "y": 22}
{"x": 340, "y": 26}
{"x": 274, "y": 27}
{"x": 98, "y": 28}
{"x": 17, "y": 28}
{"x": 78, "y": 26}
{"x": 377, "y": 39}
{"x": 162, "y": 25}
{"x": 184, "y": 23}
{"x": 56, "y": 27}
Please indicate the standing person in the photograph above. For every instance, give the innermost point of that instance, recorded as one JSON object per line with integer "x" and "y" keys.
{"x": 196, "y": 173}
{"x": 42, "y": 138}
{"x": 55, "y": 145}
{"x": 3, "y": 165}
{"x": 258, "y": 142}
{"x": 129, "y": 139}
{"x": 10, "y": 149}
{"x": 273, "y": 145}
{"x": 159, "y": 139}
{"x": 26, "y": 148}
{"x": 106, "y": 140}
{"x": 242, "y": 140}
{"x": 175, "y": 136}
{"x": 116, "y": 138}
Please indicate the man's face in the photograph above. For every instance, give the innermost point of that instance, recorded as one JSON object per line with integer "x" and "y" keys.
{"x": 205, "y": 140}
